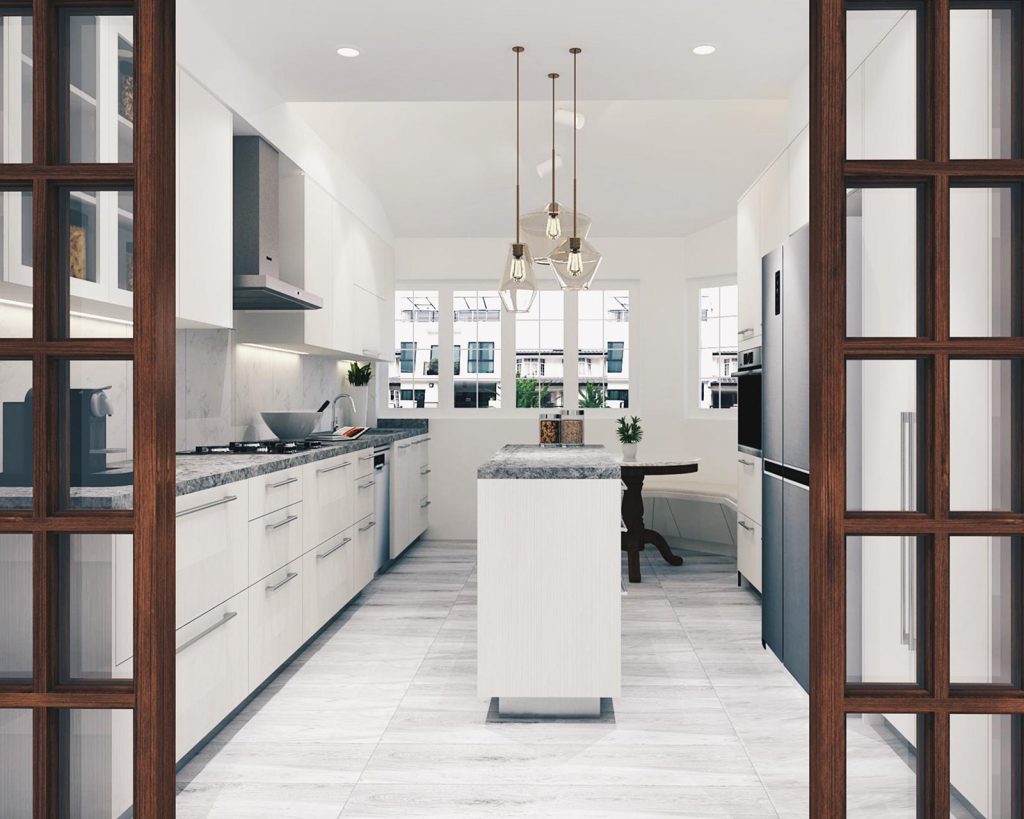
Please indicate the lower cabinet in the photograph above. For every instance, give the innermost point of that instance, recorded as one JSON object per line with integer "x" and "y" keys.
{"x": 212, "y": 670}
{"x": 364, "y": 558}
{"x": 327, "y": 581}
{"x": 410, "y": 492}
{"x": 748, "y": 550}
{"x": 275, "y": 621}
{"x": 274, "y": 540}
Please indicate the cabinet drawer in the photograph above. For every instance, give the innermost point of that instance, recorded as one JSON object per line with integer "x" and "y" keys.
{"x": 748, "y": 486}
{"x": 212, "y": 555}
{"x": 365, "y": 488}
{"x": 365, "y": 553}
{"x": 421, "y": 516}
{"x": 364, "y": 462}
{"x": 275, "y": 621}
{"x": 327, "y": 581}
{"x": 268, "y": 493}
{"x": 212, "y": 670}
{"x": 748, "y": 550}
{"x": 328, "y": 494}
{"x": 274, "y": 540}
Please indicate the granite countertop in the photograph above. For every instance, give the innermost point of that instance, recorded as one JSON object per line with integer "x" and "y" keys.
{"x": 518, "y": 461}
{"x": 196, "y": 472}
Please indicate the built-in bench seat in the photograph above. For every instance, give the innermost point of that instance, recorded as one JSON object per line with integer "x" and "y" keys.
{"x": 686, "y": 508}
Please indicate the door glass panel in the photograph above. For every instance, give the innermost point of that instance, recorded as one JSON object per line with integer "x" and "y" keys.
{"x": 984, "y": 608}
{"x": 984, "y": 270}
{"x": 15, "y": 608}
{"x": 96, "y": 607}
{"x": 884, "y": 601}
{"x": 881, "y": 765}
{"x": 985, "y": 428}
{"x": 16, "y": 264}
{"x": 885, "y": 429}
{"x": 984, "y": 757}
{"x": 100, "y": 112}
{"x": 881, "y": 262}
{"x": 16, "y": 71}
{"x": 981, "y": 100}
{"x": 882, "y": 85}
{"x": 99, "y": 257}
{"x": 97, "y": 405}
{"x": 96, "y": 763}
{"x": 15, "y": 763}
{"x": 16, "y": 426}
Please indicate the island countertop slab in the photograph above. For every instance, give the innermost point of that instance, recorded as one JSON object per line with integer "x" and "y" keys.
{"x": 531, "y": 462}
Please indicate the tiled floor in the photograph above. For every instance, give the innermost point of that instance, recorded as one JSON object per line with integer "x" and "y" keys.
{"x": 380, "y": 716}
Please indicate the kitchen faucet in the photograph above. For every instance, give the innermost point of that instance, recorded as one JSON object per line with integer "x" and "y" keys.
{"x": 334, "y": 410}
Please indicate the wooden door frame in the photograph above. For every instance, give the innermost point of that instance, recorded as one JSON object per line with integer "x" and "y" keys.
{"x": 831, "y": 698}
{"x": 152, "y": 173}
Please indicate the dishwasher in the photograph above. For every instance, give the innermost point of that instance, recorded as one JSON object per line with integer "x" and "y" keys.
{"x": 382, "y": 504}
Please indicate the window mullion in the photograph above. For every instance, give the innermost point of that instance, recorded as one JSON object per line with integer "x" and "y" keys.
{"x": 445, "y": 352}
{"x": 571, "y": 336}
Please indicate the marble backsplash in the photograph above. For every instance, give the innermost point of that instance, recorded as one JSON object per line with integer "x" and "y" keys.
{"x": 223, "y": 386}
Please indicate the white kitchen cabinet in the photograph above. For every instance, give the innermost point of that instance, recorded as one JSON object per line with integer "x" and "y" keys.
{"x": 748, "y": 485}
{"x": 748, "y": 267}
{"x": 749, "y": 478}
{"x": 328, "y": 580}
{"x": 365, "y": 552}
{"x": 205, "y": 229}
{"x": 273, "y": 491}
{"x": 774, "y": 205}
{"x": 275, "y": 621}
{"x": 329, "y": 497}
{"x": 409, "y": 505}
{"x": 212, "y": 552}
{"x": 364, "y": 496}
{"x": 749, "y": 560}
{"x": 274, "y": 540}
{"x": 800, "y": 181}
{"x": 368, "y": 314}
{"x": 317, "y": 272}
{"x": 212, "y": 669}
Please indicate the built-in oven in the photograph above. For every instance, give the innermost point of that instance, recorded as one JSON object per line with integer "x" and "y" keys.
{"x": 749, "y": 377}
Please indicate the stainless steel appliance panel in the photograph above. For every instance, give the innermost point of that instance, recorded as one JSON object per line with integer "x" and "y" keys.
{"x": 796, "y": 595}
{"x": 796, "y": 351}
{"x": 772, "y": 356}
{"x": 772, "y": 569}
{"x": 382, "y": 505}
{"x": 749, "y": 421}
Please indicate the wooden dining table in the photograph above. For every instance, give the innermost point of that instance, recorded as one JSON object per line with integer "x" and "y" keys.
{"x": 636, "y": 534}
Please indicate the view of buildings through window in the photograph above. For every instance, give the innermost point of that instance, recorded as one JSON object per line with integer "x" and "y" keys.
{"x": 718, "y": 354}
{"x": 604, "y": 348}
{"x": 477, "y": 323}
{"x": 540, "y": 352}
{"x": 413, "y": 375}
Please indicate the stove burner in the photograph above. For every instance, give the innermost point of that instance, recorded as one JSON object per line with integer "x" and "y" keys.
{"x": 257, "y": 448}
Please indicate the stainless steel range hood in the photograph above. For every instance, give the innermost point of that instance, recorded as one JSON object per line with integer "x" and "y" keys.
{"x": 257, "y": 281}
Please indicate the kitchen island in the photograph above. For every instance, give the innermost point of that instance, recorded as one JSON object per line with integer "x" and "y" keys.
{"x": 550, "y": 595}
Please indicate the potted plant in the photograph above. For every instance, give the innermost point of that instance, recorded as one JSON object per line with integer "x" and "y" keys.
{"x": 359, "y": 376}
{"x": 630, "y": 432}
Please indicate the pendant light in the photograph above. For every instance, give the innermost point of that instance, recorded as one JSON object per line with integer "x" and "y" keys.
{"x": 518, "y": 286}
{"x": 575, "y": 260}
{"x": 544, "y": 228}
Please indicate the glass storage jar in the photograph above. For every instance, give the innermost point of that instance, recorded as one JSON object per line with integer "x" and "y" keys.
{"x": 549, "y": 428}
{"x": 570, "y": 428}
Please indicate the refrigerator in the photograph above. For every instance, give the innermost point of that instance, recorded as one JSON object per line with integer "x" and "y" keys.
{"x": 785, "y": 411}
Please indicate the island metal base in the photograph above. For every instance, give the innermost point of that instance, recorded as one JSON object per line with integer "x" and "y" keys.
{"x": 549, "y": 706}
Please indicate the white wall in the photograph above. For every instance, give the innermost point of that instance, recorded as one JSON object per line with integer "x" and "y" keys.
{"x": 663, "y": 329}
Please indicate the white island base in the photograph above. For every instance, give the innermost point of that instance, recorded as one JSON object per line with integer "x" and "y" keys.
{"x": 549, "y": 585}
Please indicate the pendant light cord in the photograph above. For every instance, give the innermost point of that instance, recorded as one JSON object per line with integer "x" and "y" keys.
{"x": 575, "y": 204}
{"x": 554, "y": 77}
{"x": 518, "y": 50}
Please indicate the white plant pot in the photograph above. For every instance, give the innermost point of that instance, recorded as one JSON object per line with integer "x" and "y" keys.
{"x": 360, "y": 397}
{"x": 629, "y": 452}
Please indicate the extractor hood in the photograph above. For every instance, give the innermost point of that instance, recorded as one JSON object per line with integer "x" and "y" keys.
{"x": 257, "y": 275}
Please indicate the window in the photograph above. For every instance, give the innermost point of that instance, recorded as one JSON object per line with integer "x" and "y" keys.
{"x": 432, "y": 367}
{"x": 413, "y": 374}
{"x": 477, "y": 329}
{"x": 603, "y": 366}
{"x": 717, "y": 347}
{"x": 540, "y": 352}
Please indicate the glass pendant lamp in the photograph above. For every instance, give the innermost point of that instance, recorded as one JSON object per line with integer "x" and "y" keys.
{"x": 518, "y": 287}
{"x": 575, "y": 260}
{"x": 545, "y": 229}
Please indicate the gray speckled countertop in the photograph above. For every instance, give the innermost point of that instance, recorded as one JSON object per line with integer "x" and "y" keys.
{"x": 518, "y": 461}
{"x": 196, "y": 472}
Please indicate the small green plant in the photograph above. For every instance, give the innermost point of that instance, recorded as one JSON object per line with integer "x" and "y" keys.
{"x": 591, "y": 397}
{"x": 530, "y": 393}
{"x": 359, "y": 375}
{"x": 629, "y": 430}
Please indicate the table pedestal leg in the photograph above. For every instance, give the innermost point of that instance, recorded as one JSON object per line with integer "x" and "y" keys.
{"x": 635, "y": 536}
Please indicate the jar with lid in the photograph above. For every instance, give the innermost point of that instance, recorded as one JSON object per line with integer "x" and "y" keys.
{"x": 549, "y": 422}
{"x": 570, "y": 428}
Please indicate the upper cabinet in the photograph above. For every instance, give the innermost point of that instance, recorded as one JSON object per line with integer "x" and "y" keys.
{"x": 204, "y": 207}
{"x": 748, "y": 261}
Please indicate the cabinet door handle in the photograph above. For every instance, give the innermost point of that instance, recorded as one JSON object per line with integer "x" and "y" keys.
{"x": 228, "y": 617}
{"x": 425, "y": 471}
{"x": 367, "y": 485}
{"x": 404, "y": 446}
{"x": 288, "y": 579}
{"x": 745, "y": 525}
{"x": 368, "y": 526}
{"x": 285, "y": 522}
{"x": 424, "y": 504}
{"x": 285, "y": 482}
{"x": 749, "y": 331}
{"x": 366, "y": 458}
{"x": 745, "y": 462}
{"x": 210, "y": 505}
{"x": 374, "y": 353}
{"x": 333, "y": 549}
{"x": 333, "y": 468}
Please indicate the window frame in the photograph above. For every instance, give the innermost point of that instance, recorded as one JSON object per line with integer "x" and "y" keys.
{"x": 691, "y": 363}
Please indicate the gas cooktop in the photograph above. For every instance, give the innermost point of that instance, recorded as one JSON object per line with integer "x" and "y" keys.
{"x": 274, "y": 447}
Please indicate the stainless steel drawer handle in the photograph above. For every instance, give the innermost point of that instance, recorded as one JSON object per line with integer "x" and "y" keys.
{"x": 228, "y": 617}
{"x": 333, "y": 549}
{"x": 366, "y": 458}
{"x": 425, "y": 504}
{"x": 285, "y": 482}
{"x": 288, "y": 579}
{"x": 333, "y": 468}
{"x": 367, "y": 485}
{"x": 424, "y": 471}
{"x": 210, "y": 505}
{"x": 368, "y": 526}
{"x": 746, "y": 526}
{"x": 749, "y": 331}
{"x": 745, "y": 462}
{"x": 404, "y": 446}
{"x": 285, "y": 522}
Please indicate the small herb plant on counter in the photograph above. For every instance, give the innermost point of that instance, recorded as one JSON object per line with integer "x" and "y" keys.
{"x": 630, "y": 433}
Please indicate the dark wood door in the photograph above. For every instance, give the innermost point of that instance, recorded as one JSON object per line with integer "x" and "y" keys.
{"x": 916, "y": 445}
{"x": 87, "y": 339}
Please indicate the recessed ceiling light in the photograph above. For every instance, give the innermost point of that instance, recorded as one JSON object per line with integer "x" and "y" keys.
{"x": 348, "y": 51}
{"x": 704, "y": 50}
